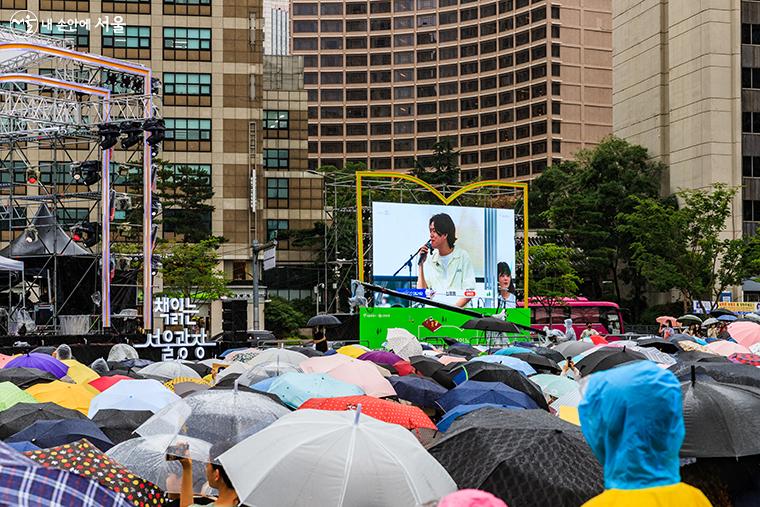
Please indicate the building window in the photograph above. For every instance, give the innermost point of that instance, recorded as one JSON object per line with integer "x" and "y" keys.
{"x": 184, "y": 83}
{"x": 56, "y": 173}
{"x": 750, "y": 33}
{"x": 275, "y": 120}
{"x": 198, "y": 39}
{"x": 69, "y": 216}
{"x": 751, "y": 167}
{"x": 275, "y": 225}
{"x": 183, "y": 2}
{"x": 80, "y": 35}
{"x": 751, "y": 211}
{"x": 133, "y": 37}
{"x": 276, "y": 159}
{"x": 188, "y": 175}
{"x": 188, "y": 129}
{"x": 277, "y": 188}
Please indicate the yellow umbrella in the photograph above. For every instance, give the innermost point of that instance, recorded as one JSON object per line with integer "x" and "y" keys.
{"x": 569, "y": 414}
{"x": 73, "y": 396}
{"x": 352, "y": 351}
{"x": 169, "y": 384}
{"x": 78, "y": 372}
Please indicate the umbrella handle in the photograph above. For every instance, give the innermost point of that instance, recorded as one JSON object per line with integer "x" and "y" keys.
{"x": 693, "y": 375}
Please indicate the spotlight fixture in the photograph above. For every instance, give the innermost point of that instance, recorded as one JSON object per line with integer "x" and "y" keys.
{"x": 109, "y": 135}
{"x": 32, "y": 176}
{"x": 87, "y": 172}
{"x": 122, "y": 202}
{"x": 157, "y": 129}
{"x": 155, "y": 264}
{"x": 155, "y": 86}
{"x": 85, "y": 233}
{"x": 134, "y": 134}
{"x": 30, "y": 234}
{"x": 155, "y": 206}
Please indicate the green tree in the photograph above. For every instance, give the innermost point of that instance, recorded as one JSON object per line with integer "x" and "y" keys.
{"x": 442, "y": 168}
{"x": 552, "y": 276}
{"x": 579, "y": 202}
{"x": 281, "y": 318}
{"x": 191, "y": 270}
{"x": 185, "y": 192}
{"x": 681, "y": 248}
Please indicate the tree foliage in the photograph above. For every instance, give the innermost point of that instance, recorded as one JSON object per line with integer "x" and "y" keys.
{"x": 442, "y": 168}
{"x": 681, "y": 248}
{"x": 282, "y": 318}
{"x": 191, "y": 270}
{"x": 552, "y": 276}
{"x": 186, "y": 191}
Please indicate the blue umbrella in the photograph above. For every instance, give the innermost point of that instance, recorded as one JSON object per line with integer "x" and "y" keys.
{"x": 23, "y": 446}
{"x": 24, "y": 482}
{"x": 473, "y": 392}
{"x": 512, "y": 362}
{"x": 42, "y": 362}
{"x": 727, "y": 318}
{"x": 295, "y": 388}
{"x": 418, "y": 390}
{"x": 62, "y": 431}
{"x": 457, "y": 412}
{"x": 508, "y": 351}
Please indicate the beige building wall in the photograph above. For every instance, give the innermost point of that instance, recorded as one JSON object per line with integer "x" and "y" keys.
{"x": 676, "y": 89}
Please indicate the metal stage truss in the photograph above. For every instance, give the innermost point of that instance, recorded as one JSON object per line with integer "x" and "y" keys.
{"x": 71, "y": 122}
{"x": 341, "y": 248}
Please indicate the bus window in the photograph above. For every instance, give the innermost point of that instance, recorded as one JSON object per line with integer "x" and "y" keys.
{"x": 611, "y": 320}
{"x": 540, "y": 315}
{"x": 583, "y": 314}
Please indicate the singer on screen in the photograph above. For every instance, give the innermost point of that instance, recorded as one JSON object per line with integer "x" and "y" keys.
{"x": 444, "y": 268}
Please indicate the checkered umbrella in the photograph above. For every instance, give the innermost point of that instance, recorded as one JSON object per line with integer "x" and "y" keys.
{"x": 83, "y": 458}
{"x": 24, "y": 482}
{"x": 750, "y": 359}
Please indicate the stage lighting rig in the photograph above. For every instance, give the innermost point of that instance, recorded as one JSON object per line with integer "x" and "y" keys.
{"x": 134, "y": 133}
{"x": 155, "y": 86}
{"x": 157, "y": 130}
{"x": 85, "y": 233}
{"x": 155, "y": 264}
{"x": 87, "y": 172}
{"x": 32, "y": 176}
{"x": 109, "y": 135}
{"x": 155, "y": 206}
{"x": 122, "y": 202}
{"x": 30, "y": 234}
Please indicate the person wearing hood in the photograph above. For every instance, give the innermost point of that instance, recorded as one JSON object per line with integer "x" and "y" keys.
{"x": 569, "y": 331}
{"x": 632, "y": 418}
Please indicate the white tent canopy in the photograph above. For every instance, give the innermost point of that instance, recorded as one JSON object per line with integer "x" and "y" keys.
{"x": 7, "y": 264}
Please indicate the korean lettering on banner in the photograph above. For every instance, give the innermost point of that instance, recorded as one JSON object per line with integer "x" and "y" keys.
{"x": 177, "y": 343}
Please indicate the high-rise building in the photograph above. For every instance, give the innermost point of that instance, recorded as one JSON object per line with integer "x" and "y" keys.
{"x": 685, "y": 88}
{"x": 513, "y": 84}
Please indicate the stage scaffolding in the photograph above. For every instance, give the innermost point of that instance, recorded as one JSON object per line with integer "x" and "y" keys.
{"x": 341, "y": 241}
{"x": 78, "y": 136}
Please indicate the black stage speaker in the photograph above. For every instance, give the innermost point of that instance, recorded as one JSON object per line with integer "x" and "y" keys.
{"x": 234, "y": 315}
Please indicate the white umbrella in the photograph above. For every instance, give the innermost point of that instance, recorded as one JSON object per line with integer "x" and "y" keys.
{"x": 168, "y": 370}
{"x": 236, "y": 368}
{"x": 403, "y": 343}
{"x": 122, "y": 352}
{"x": 281, "y": 356}
{"x": 334, "y": 459}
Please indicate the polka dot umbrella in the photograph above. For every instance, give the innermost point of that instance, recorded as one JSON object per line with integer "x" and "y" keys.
{"x": 83, "y": 458}
{"x": 408, "y": 416}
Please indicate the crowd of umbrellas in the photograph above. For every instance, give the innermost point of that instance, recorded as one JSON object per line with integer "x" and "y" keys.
{"x": 403, "y": 426}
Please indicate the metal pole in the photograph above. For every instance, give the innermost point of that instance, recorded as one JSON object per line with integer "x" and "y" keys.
{"x": 255, "y": 250}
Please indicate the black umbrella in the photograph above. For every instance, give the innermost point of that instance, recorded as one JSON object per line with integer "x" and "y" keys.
{"x": 540, "y": 363}
{"x": 722, "y": 420}
{"x": 129, "y": 364}
{"x": 523, "y": 466}
{"x": 307, "y": 351}
{"x": 659, "y": 343}
{"x": 491, "y": 324}
{"x": 45, "y": 349}
{"x": 727, "y": 373}
{"x": 606, "y": 358}
{"x": 695, "y": 356}
{"x": 682, "y": 337}
{"x": 494, "y": 372}
{"x": 22, "y": 415}
{"x": 199, "y": 368}
{"x": 323, "y": 320}
{"x": 426, "y": 365}
{"x": 119, "y": 425}
{"x": 547, "y": 352}
{"x": 51, "y": 433}
{"x": 26, "y": 377}
{"x": 463, "y": 350}
{"x": 127, "y": 373}
{"x": 493, "y": 418}
{"x": 722, "y": 311}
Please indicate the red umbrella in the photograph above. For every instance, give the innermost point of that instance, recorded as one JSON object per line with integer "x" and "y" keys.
{"x": 404, "y": 367}
{"x": 750, "y": 359}
{"x": 408, "y": 416}
{"x": 103, "y": 383}
{"x": 598, "y": 339}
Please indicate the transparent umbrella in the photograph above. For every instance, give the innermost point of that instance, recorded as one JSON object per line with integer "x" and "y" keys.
{"x": 266, "y": 370}
{"x": 281, "y": 356}
{"x": 167, "y": 370}
{"x": 213, "y": 417}
{"x": 403, "y": 343}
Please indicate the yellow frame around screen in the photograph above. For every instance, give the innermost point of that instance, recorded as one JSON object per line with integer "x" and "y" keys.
{"x": 446, "y": 201}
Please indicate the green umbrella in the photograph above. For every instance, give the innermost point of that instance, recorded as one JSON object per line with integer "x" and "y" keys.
{"x": 689, "y": 319}
{"x": 10, "y": 395}
{"x": 554, "y": 385}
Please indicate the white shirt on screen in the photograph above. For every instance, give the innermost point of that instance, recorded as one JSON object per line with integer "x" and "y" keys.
{"x": 453, "y": 272}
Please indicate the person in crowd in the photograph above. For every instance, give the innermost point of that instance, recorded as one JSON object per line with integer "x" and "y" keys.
{"x": 669, "y": 329}
{"x": 507, "y": 298}
{"x": 100, "y": 366}
{"x": 569, "y": 331}
{"x": 632, "y": 418}
{"x": 62, "y": 352}
{"x": 589, "y": 331}
{"x": 570, "y": 369}
{"x": 320, "y": 339}
{"x": 723, "y": 331}
{"x": 215, "y": 475}
{"x": 444, "y": 267}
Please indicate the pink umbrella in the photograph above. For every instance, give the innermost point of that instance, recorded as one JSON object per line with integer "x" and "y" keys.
{"x": 451, "y": 359}
{"x": 4, "y": 360}
{"x": 323, "y": 364}
{"x": 726, "y": 348}
{"x": 365, "y": 375}
{"x": 745, "y": 333}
